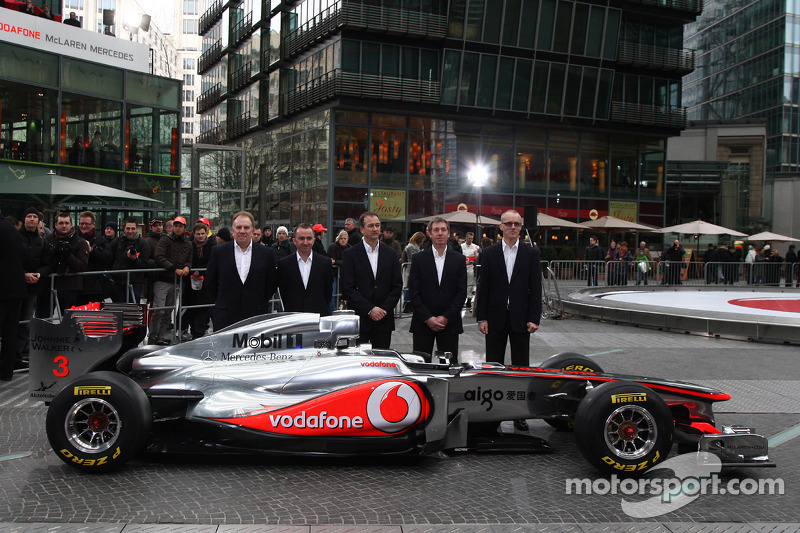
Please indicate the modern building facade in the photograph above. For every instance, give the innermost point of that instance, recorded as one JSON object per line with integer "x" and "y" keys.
{"x": 83, "y": 105}
{"x": 748, "y": 66}
{"x": 347, "y": 105}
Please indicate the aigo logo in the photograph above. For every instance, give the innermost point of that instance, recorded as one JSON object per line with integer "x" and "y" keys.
{"x": 393, "y": 406}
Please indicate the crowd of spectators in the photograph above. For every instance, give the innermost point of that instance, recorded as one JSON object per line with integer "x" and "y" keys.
{"x": 43, "y": 11}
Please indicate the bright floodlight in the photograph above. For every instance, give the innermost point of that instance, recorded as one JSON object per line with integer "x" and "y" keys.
{"x": 478, "y": 175}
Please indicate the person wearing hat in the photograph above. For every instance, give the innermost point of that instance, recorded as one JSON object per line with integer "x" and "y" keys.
{"x": 130, "y": 251}
{"x": 283, "y": 246}
{"x": 156, "y": 230}
{"x": 319, "y": 234}
{"x": 174, "y": 255}
{"x": 241, "y": 277}
{"x": 36, "y": 262}
{"x": 209, "y": 233}
{"x": 110, "y": 231}
{"x": 267, "y": 238}
{"x": 224, "y": 235}
{"x": 389, "y": 240}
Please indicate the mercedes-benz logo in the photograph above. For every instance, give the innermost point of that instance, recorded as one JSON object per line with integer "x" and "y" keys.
{"x": 208, "y": 356}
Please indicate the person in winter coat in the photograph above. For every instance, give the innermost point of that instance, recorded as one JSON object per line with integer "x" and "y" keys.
{"x": 198, "y": 293}
{"x": 70, "y": 255}
{"x": 37, "y": 263}
{"x": 335, "y": 253}
{"x": 99, "y": 258}
{"x": 174, "y": 255}
{"x": 129, "y": 251}
{"x": 592, "y": 257}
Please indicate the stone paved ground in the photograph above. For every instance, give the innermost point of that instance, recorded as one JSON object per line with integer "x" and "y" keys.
{"x": 459, "y": 492}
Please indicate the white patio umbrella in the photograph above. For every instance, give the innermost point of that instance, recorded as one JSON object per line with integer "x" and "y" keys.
{"x": 609, "y": 223}
{"x": 551, "y": 222}
{"x": 51, "y": 189}
{"x": 699, "y": 227}
{"x": 769, "y": 236}
{"x": 462, "y": 217}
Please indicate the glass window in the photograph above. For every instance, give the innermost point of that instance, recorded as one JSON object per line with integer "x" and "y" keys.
{"x": 475, "y": 19}
{"x": 505, "y": 82}
{"x": 350, "y": 153}
{"x": 563, "y": 21}
{"x": 612, "y": 34}
{"x": 588, "y": 91}
{"x": 350, "y": 55}
{"x": 530, "y": 13}
{"x": 539, "y": 87}
{"x": 390, "y": 60}
{"x": 488, "y": 74}
{"x": 79, "y": 75}
{"x": 425, "y": 160}
{"x": 491, "y": 23}
{"x": 563, "y": 168}
{"x": 190, "y": 7}
{"x": 163, "y": 92}
{"x": 99, "y": 124}
{"x": 410, "y": 63}
{"x": 275, "y": 39}
{"x": 29, "y": 124}
{"x": 573, "y": 90}
{"x": 455, "y": 26}
{"x": 190, "y": 26}
{"x": 595, "y": 31}
{"x": 579, "y": 23}
{"x": 429, "y": 65}
{"x": 522, "y": 85}
{"x": 545, "y": 26}
{"x": 469, "y": 79}
{"x": 450, "y": 69}
{"x": 24, "y": 64}
{"x": 511, "y": 23}
{"x": 388, "y": 157}
{"x": 652, "y": 183}
{"x": 624, "y": 172}
{"x": 370, "y": 58}
{"x": 555, "y": 89}
{"x": 531, "y": 166}
{"x": 593, "y": 169}
{"x": 499, "y": 161}
{"x": 189, "y": 63}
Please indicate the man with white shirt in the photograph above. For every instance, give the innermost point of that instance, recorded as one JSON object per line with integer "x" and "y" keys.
{"x": 241, "y": 277}
{"x": 305, "y": 279}
{"x": 371, "y": 283}
{"x": 509, "y": 296}
{"x": 437, "y": 285}
{"x": 470, "y": 251}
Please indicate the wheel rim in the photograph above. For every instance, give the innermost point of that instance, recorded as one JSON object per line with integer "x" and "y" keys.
{"x": 93, "y": 425}
{"x": 631, "y": 432}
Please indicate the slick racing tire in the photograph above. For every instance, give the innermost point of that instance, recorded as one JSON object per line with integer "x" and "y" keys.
{"x": 623, "y": 428}
{"x": 99, "y": 421}
{"x": 568, "y": 361}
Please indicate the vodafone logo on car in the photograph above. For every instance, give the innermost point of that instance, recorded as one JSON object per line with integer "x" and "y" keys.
{"x": 376, "y": 408}
{"x": 393, "y": 406}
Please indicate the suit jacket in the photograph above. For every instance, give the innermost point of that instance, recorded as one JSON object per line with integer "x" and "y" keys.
{"x": 430, "y": 298}
{"x": 522, "y": 297}
{"x": 234, "y": 300}
{"x": 316, "y": 296}
{"x": 363, "y": 290}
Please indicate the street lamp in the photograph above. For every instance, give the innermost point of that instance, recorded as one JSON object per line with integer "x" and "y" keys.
{"x": 478, "y": 176}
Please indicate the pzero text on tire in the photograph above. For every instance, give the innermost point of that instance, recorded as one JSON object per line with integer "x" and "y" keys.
{"x": 569, "y": 361}
{"x": 623, "y": 428}
{"x": 99, "y": 421}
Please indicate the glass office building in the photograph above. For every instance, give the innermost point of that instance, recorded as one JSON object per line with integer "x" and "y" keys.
{"x": 748, "y": 66}
{"x": 347, "y": 105}
{"x": 68, "y": 104}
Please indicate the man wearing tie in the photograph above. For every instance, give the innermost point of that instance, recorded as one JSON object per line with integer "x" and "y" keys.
{"x": 371, "y": 283}
{"x": 437, "y": 285}
{"x": 305, "y": 279}
{"x": 241, "y": 277}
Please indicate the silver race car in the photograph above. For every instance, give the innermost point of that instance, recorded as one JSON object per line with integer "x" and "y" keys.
{"x": 297, "y": 383}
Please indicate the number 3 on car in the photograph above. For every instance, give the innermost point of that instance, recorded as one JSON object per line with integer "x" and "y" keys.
{"x": 62, "y": 366}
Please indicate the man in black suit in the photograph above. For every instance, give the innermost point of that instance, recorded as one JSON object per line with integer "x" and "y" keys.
{"x": 241, "y": 276}
{"x": 510, "y": 296}
{"x": 371, "y": 283}
{"x": 13, "y": 275}
{"x": 437, "y": 285}
{"x": 305, "y": 279}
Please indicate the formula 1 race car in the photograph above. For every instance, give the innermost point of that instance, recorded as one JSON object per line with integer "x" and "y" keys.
{"x": 298, "y": 383}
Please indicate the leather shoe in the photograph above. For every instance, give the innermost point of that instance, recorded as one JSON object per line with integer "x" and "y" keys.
{"x": 19, "y": 365}
{"x": 521, "y": 425}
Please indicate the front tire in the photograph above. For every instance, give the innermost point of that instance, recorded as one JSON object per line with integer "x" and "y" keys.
{"x": 99, "y": 421}
{"x": 623, "y": 428}
{"x": 569, "y": 361}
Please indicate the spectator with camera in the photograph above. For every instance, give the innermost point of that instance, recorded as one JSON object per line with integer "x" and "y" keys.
{"x": 36, "y": 261}
{"x": 129, "y": 251}
{"x": 70, "y": 255}
{"x": 99, "y": 258}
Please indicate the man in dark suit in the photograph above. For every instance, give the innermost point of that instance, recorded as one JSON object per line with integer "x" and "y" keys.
{"x": 510, "y": 296}
{"x": 305, "y": 279}
{"x": 371, "y": 283}
{"x": 437, "y": 285}
{"x": 13, "y": 275}
{"x": 241, "y": 276}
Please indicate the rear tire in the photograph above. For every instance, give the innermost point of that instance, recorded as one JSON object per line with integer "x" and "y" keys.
{"x": 623, "y": 428}
{"x": 99, "y": 421}
{"x": 568, "y": 361}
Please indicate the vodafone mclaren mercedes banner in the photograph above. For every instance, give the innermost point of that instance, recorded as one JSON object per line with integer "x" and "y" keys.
{"x": 377, "y": 408}
{"x": 42, "y": 34}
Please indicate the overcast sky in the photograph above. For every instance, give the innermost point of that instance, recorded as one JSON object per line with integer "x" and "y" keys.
{"x": 161, "y": 12}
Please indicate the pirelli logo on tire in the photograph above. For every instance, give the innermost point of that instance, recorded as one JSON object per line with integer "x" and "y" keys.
{"x": 92, "y": 390}
{"x": 629, "y": 397}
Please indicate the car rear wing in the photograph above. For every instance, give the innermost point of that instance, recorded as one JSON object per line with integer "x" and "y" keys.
{"x": 86, "y": 339}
